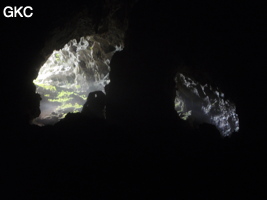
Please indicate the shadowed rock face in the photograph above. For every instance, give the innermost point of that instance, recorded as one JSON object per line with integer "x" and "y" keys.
{"x": 204, "y": 104}
{"x": 81, "y": 45}
{"x": 53, "y": 25}
{"x": 70, "y": 74}
{"x": 82, "y": 65}
{"x": 106, "y": 18}
{"x": 84, "y": 157}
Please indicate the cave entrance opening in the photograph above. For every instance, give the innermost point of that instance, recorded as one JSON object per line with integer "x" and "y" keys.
{"x": 70, "y": 74}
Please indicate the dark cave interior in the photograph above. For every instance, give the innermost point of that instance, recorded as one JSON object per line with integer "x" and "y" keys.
{"x": 142, "y": 150}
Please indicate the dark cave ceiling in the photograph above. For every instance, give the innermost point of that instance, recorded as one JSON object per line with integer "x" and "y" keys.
{"x": 207, "y": 37}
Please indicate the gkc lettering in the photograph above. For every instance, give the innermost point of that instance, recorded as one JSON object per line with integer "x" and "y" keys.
{"x": 18, "y": 12}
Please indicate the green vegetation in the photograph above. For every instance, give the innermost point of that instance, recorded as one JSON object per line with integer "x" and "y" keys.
{"x": 64, "y": 94}
{"x": 77, "y": 106}
{"x": 68, "y": 94}
{"x": 45, "y": 86}
{"x": 179, "y": 107}
{"x": 84, "y": 97}
{"x": 77, "y": 86}
{"x": 64, "y": 115}
{"x": 64, "y": 99}
{"x": 57, "y": 56}
{"x": 65, "y": 106}
{"x": 185, "y": 115}
{"x": 69, "y": 105}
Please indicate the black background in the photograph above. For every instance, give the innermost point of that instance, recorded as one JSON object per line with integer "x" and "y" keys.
{"x": 222, "y": 38}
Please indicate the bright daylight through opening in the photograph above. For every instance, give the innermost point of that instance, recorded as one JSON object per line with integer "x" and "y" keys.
{"x": 204, "y": 104}
{"x": 70, "y": 74}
